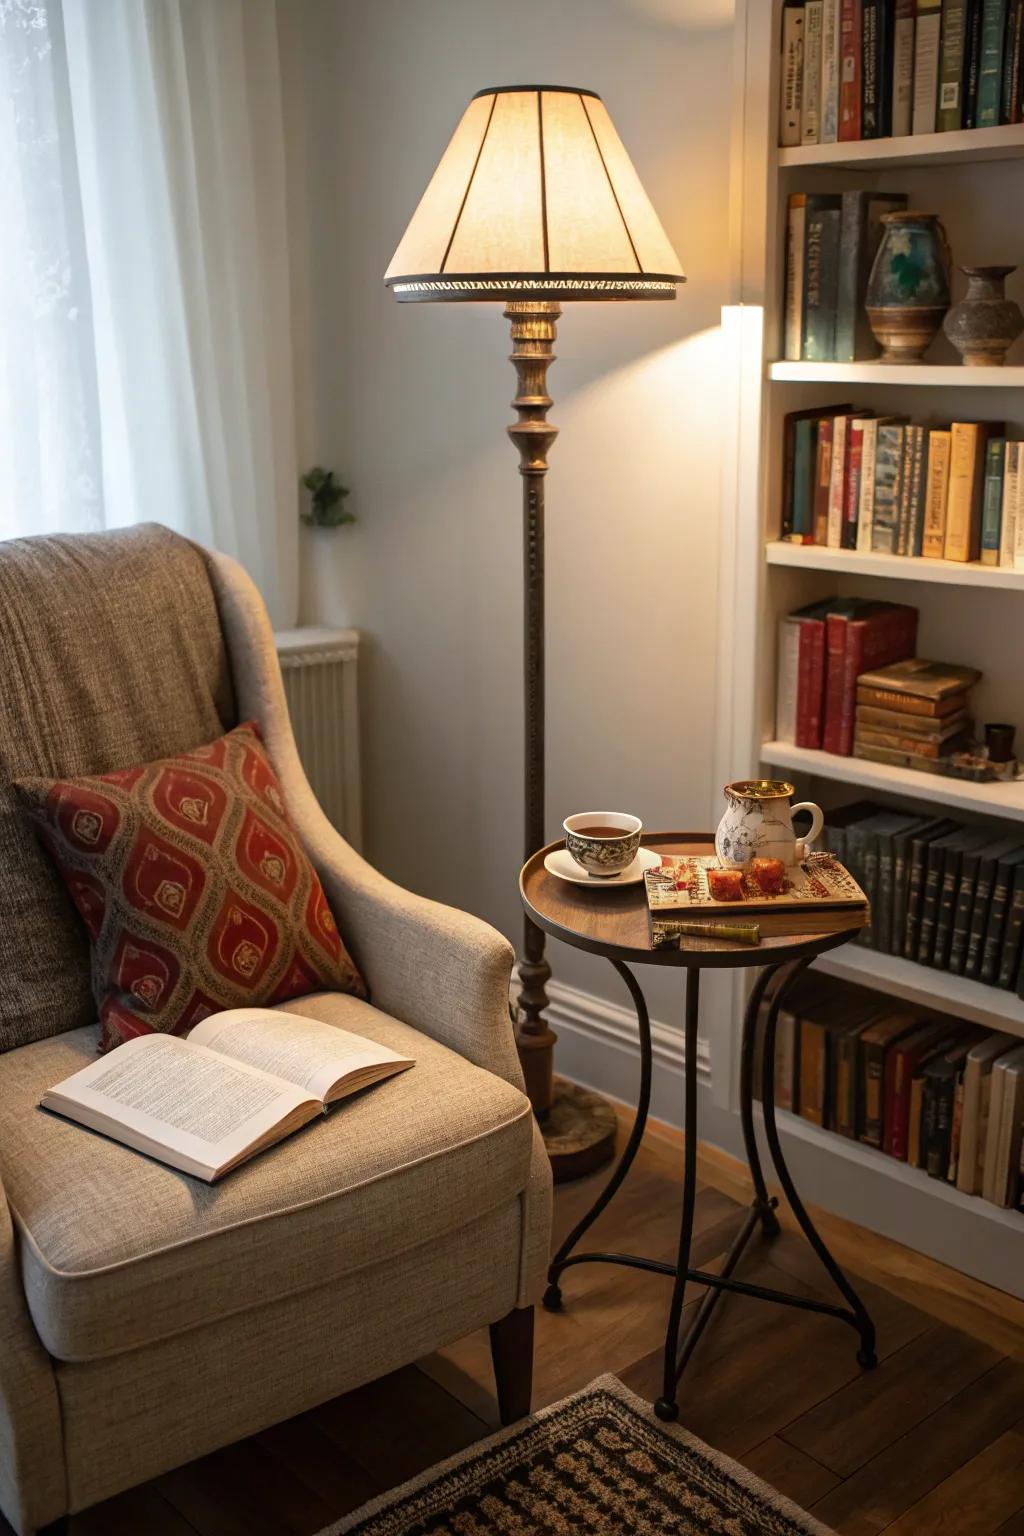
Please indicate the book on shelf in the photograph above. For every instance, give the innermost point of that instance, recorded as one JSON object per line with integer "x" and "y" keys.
{"x": 992, "y": 500}
{"x": 972, "y": 61}
{"x": 916, "y": 686}
{"x": 829, "y": 87}
{"x": 850, "y": 43}
{"x": 985, "y": 882}
{"x": 977, "y": 1082}
{"x": 241, "y": 1081}
{"x": 801, "y": 675}
{"x": 831, "y": 242}
{"x": 1010, "y": 100}
{"x": 801, "y": 458}
{"x": 906, "y": 1058}
{"x": 913, "y": 482}
{"x": 990, "y": 75}
{"x": 792, "y": 72}
{"x": 810, "y": 102}
{"x": 1001, "y": 1176}
{"x": 951, "y": 67}
{"x": 875, "y": 1042}
{"x": 958, "y": 873}
{"x": 1013, "y": 931}
{"x": 927, "y": 46}
{"x": 973, "y": 861}
{"x": 936, "y": 494}
{"x": 943, "y": 1076}
{"x": 821, "y": 277}
{"x": 967, "y": 456}
{"x": 860, "y": 637}
{"x": 1003, "y": 878}
{"x": 1011, "y": 512}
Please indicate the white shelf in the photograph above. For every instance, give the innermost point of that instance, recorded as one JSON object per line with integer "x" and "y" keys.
{"x": 999, "y": 800}
{"x": 816, "y": 557}
{"x": 958, "y": 995}
{"x": 915, "y": 1178}
{"x": 923, "y": 149}
{"x": 920, "y": 375}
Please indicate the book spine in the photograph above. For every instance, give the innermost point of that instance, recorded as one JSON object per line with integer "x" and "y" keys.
{"x": 962, "y": 537}
{"x": 927, "y": 41}
{"x": 796, "y": 229}
{"x": 933, "y": 542}
{"x": 1018, "y": 513}
{"x": 955, "y": 1130}
{"x": 972, "y": 61}
{"x": 992, "y": 500}
{"x": 823, "y": 480}
{"x": 888, "y": 469}
{"x": 881, "y": 911}
{"x": 895, "y": 1064}
{"x": 812, "y": 1072}
{"x": 951, "y": 80}
{"x": 803, "y": 684}
{"x": 803, "y": 481}
{"x": 879, "y": 699}
{"x": 900, "y": 884}
{"x": 792, "y": 73}
{"x": 849, "y": 70}
{"x": 837, "y": 481}
{"x": 918, "y": 473}
{"x": 914, "y": 1133}
{"x": 846, "y": 1086}
{"x": 821, "y": 279}
{"x": 873, "y": 1075}
{"x": 830, "y": 72}
{"x": 903, "y": 67}
{"x": 1010, "y": 99}
{"x": 949, "y": 886}
{"x": 1010, "y": 955}
{"x": 962, "y": 915}
{"x": 810, "y": 113}
{"x": 906, "y": 492}
{"x": 898, "y": 1131}
{"x": 929, "y": 908}
{"x": 979, "y": 919}
{"x": 866, "y": 510}
{"x": 937, "y": 1150}
{"x": 787, "y": 685}
{"x": 992, "y": 950}
{"x": 786, "y": 1071}
{"x": 868, "y": 883}
{"x": 1008, "y": 512}
{"x": 990, "y": 74}
{"x": 851, "y": 486}
{"x": 872, "y": 64}
{"x": 809, "y": 707}
{"x": 852, "y": 234}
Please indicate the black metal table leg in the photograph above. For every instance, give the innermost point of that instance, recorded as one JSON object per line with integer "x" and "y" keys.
{"x": 561, "y": 1260}
{"x": 666, "y": 1406}
{"x": 763, "y": 1204}
{"x": 857, "y": 1317}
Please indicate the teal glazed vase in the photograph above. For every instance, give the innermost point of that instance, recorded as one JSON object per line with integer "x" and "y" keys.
{"x": 908, "y": 290}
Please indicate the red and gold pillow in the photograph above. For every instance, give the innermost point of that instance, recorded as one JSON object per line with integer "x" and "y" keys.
{"x": 195, "y": 890}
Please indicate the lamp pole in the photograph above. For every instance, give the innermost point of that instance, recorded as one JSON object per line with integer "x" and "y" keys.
{"x": 533, "y": 327}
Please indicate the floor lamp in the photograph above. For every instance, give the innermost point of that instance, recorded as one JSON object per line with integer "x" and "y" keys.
{"x": 533, "y": 203}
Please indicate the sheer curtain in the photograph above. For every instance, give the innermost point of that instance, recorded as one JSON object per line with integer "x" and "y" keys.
{"x": 166, "y": 205}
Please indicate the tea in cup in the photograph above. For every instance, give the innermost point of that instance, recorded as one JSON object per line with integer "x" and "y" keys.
{"x": 603, "y": 843}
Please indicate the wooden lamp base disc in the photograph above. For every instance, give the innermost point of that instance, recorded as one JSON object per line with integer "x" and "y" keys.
{"x": 578, "y": 1130}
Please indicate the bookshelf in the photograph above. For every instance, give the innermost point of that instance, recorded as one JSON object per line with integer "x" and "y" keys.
{"x": 969, "y": 613}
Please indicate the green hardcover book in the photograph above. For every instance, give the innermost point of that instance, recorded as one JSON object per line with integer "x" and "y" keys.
{"x": 919, "y": 846}
{"x": 951, "y": 68}
{"x": 952, "y": 874}
{"x": 934, "y": 869}
{"x": 990, "y": 75}
{"x": 1002, "y": 882}
{"x": 983, "y": 901}
{"x": 878, "y": 870}
{"x": 804, "y": 445}
{"x": 821, "y": 277}
{"x": 1009, "y": 960}
{"x": 992, "y": 500}
{"x": 861, "y": 848}
{"x": 974, "y": 861}
{"x": 901, "y": 852}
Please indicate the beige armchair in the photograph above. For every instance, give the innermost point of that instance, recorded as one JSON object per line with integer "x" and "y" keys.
{"x": 146, "y": 1319}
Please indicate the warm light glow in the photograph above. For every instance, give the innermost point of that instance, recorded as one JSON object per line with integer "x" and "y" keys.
{"x": 535, "y": 197}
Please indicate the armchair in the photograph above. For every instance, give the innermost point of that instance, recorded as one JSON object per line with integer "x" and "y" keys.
{"x": 144, "y": 1319}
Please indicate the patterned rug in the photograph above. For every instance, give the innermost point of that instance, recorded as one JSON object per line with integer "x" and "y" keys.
{"x": 598, "y": 1463}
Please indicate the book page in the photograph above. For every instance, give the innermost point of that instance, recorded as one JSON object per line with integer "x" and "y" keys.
{"x": 312, "y": 1055}
{"x": 176, "y": 1095}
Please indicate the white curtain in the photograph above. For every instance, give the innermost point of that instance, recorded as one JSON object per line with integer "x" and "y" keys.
{"x": 173, "y": 149}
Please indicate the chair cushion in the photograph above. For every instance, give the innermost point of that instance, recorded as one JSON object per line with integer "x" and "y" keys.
{"x": 112, "y": 654}
{"x": 196, "y": 891}
{"x": 118, "y": 1251}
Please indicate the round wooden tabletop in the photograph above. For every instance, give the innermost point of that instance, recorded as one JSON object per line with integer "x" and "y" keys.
{"x": 614, "y": 922}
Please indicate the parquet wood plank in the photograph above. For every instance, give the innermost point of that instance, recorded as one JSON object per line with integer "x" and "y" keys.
{"x": 976, "y": 1499}
{"x": 790, "y": 1471}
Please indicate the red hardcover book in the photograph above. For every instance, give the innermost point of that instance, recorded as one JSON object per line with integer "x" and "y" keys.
{"x": 810, "y": 681}
{"x": 822, "y": 480}
{"x": 851, "y": 483}
{"x": 854, "y": 640}
{"x": 901, "y": 1063}
{"x": 850, "y": 23}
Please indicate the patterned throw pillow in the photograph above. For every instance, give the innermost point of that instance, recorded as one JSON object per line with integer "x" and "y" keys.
{"x": 195, "y": 890}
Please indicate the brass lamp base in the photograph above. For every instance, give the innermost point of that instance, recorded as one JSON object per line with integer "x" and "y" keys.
{"x": 578, "y": 1130}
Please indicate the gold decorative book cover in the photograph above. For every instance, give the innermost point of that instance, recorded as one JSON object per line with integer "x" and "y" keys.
{"x": 678, "y": 890}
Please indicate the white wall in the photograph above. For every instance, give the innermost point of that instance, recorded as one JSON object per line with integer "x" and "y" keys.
{"x": 410, "y": 404}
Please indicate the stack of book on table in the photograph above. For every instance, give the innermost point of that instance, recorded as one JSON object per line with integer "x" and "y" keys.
{"x": 823, "y": 650}
{"x": 868, "y": 69}
{"x": 861, "y": 481}
{"x": 943, "y": 893}
{"x": 914, "y": 713}
{"x": 931, "y": 1091}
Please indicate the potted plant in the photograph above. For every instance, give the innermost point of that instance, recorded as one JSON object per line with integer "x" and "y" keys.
{"x": 326, "y": 500}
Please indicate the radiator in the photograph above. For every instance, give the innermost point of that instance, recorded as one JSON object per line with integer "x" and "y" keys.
{"x": 319, "y": 670}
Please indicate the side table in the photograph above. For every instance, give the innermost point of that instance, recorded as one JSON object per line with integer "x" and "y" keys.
{"x": 614, "y": 924}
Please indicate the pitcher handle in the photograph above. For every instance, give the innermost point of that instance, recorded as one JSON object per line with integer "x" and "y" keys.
{"x": 817, "y": 822}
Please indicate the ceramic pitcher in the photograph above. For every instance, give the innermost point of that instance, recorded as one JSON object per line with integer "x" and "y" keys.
{"x": 908, "y": 290}
{"x": 758, "y": 823}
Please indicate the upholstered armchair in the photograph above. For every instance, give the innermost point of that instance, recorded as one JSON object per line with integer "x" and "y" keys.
{"x": 146, "y": 1318}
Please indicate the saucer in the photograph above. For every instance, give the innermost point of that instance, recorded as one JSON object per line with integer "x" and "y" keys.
{"x": 562, "y": 864}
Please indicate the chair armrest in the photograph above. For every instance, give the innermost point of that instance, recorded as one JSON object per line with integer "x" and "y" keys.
{"x": 33, "y": 1489}
{"x": 440, "y": 970}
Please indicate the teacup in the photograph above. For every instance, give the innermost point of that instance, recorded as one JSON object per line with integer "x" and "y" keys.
{"x": 604, "y": 843}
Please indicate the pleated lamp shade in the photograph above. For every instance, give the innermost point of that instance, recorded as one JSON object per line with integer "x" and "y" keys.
{"x": 535, "y": 198}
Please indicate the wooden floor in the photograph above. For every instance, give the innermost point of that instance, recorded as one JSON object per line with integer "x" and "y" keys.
{"x": 930, "y": 1442}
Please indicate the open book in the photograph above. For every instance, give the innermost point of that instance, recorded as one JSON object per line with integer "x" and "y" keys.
{"x": 241, "y": 1081}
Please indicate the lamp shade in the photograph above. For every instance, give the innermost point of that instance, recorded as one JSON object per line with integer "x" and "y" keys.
{"x": 534, "y": 198}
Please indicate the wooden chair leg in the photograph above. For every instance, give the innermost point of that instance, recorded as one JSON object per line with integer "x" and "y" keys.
{"x": 512, "y": 1356}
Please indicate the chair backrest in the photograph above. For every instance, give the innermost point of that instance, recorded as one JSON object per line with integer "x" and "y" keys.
{"x": 111, "y": 654}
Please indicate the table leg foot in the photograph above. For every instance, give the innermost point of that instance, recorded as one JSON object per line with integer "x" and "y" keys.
{"x": 867, "y": 1358}
{"x": 666, "y": 1409}
{"x": 769, "y": 1221}
{"x": 552, "y": 1300}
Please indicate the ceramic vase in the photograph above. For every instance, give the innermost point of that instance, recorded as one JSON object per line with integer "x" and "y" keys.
{"x": 908, "y": 290}
{"x": 985, "y": 324}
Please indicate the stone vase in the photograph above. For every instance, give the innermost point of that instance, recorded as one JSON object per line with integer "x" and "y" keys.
{"x": 985, "y": 323}
{"x": 908, "y": 290}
